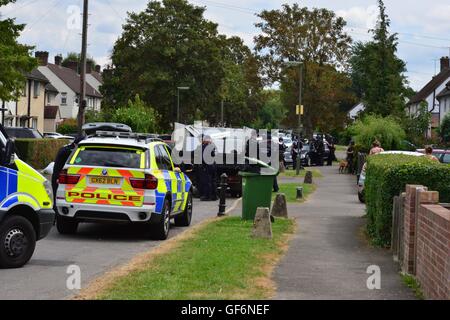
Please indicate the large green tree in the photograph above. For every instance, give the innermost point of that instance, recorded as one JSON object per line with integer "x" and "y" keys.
{"x": 316, "y": 37}
{"x": 168, "y": 45}
{"x": 15, "y": 58}
{"x": 377, "y": 73}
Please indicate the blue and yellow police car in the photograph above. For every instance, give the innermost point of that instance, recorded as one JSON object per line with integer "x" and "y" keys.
{"x": 123, "y": 177}
{"x": 26, "y": 207}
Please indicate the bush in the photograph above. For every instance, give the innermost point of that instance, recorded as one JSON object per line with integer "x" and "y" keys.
{"x": 38, "y": 153}
{"x": 68, "y": 126}
{"x": 387, "y": 177}
{"x": 140, "y": 117}
{"x": 386, "y": 130}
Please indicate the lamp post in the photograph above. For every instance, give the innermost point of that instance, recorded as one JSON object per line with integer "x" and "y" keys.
{"x": 178, "y": 101}
{"x": 300, "y": 99}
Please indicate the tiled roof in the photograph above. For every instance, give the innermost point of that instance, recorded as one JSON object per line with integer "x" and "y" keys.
{"x": 50, "y": 88}
{"x": 97, "y": 76}
{"x": 72, "y": 80}
{"x": 35, "y": 74}
{"x": 431, "y": 86}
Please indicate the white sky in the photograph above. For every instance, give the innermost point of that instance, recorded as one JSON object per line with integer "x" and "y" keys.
{"x": 424, "y": 26}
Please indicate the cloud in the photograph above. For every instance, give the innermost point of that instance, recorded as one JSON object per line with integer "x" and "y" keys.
{"x": 360, "y": 16}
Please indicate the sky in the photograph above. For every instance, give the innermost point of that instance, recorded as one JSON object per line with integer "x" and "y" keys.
{"x": 55, "y": 25}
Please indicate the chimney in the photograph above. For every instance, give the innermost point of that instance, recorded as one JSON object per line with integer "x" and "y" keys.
{"x": 72, "y": 65}
{"x": 88, "y": 68}
{"x": 445, "y": 63}
{"x": 42, "y": 57}
{"x": 58, "y": 60}
{"x": 98, "y": 69}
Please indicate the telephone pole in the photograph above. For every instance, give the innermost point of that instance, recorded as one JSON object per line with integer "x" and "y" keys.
{"x": 82, "y": 99}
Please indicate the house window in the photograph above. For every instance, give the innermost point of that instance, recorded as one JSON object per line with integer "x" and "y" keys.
{"x": 37, "y": 89}
{"x": 49, "y": 98}
{"x": 34, "y": 123}
{"x": 24, "y": 90}
{"x": 64, "y": 98}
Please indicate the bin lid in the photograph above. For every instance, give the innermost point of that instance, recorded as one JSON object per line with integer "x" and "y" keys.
{"x": 266, "y": 170}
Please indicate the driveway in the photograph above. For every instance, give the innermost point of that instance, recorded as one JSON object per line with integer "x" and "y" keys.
{"x": 95, "y": 249}
{"x": 329, "y": 256}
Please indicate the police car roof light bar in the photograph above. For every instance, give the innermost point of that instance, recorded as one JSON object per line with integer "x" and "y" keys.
{"x": 147, "y": 137}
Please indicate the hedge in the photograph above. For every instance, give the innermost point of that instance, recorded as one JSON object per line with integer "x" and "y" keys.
{"x": 387, "y": 177}
{"x": 38, "y": 153}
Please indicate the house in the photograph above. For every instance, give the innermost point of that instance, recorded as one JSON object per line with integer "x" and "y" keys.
{"x": 444, "y": 102}
{"x": 356, "y": 110}
{"x": 66, "y": 82}
{"x": 429, "y": 93}
{"x": 28, "y": 110}
{"x": 52, "y": 117}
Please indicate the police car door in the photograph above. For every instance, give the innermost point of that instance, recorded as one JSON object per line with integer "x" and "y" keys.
{"x": 173, "y": 179}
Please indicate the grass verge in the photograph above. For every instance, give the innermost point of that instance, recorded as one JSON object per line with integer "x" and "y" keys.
{"x": 290, "y": 190}
{"x": 412, "y": 283}
{"x": 293, "y": 174}
{"x": 219, "y": 260}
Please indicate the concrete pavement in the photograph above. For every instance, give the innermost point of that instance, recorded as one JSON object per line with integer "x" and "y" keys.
{"x": 329, "y": 257}
{"x": 95, "y": 249}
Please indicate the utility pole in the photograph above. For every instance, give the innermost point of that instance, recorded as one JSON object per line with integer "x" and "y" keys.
{"x": 82, "y": 99}
{"x": 300, "y": 100}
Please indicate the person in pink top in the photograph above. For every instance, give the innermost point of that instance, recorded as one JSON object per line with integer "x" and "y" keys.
{"x": 376, "y": 148}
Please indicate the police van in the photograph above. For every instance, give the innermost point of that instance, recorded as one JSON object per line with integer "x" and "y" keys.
{"x": 26, "y": 207}
{"x": 123, "y": 177}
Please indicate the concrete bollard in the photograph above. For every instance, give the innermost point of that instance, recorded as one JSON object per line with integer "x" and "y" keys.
{"x": 262, "y": 226}
{"x": 279, "y": 207}
{"x": 299, "y": 193}
{"x": 309, "y": 177}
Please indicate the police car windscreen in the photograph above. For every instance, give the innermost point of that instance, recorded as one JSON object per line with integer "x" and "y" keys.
{"x": 103, "y": 157}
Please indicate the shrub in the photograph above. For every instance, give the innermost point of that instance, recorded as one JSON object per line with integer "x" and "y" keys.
{"x": 140, "y": 117}
{"x": 68, "y": 126}
{"x": 38, "y": 153}
{"x": 386, "y": 130}
{"x": 387, "y": 177}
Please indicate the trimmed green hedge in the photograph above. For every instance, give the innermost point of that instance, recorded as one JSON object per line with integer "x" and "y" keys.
{"x": 38, "y": 153}
{"x": 387, "y": 177}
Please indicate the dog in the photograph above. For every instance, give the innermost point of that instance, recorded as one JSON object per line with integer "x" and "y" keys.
{"x": 343, "y": 166}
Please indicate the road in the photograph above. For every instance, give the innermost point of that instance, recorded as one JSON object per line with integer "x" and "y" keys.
{"x": 95, "y": 249}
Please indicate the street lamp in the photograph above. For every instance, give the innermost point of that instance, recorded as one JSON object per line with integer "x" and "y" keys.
{"x": 300, "y": 65}
{"x": 178, "y": 101}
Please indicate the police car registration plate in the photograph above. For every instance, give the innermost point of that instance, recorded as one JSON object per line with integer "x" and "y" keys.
{"x": 104, "y": 180}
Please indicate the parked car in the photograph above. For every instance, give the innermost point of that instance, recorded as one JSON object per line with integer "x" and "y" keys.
{"x": 58, "y": 136}
{"x": 23, "y": 133}
{"x": 442, "y": 155}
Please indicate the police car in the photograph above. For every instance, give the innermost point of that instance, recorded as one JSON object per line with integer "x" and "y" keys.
{"x": 26, "y": 206}
{"x": 123, "y": 177}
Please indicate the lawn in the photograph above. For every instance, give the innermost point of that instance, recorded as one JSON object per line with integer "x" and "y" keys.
{"x": 290, "y": 190}
{"x": 220, "y": 261}
{"x": 293, "y": 173}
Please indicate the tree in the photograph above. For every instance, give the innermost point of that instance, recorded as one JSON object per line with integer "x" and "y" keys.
{"x": 386, "y": 130}
{"x": 444, "y": 130}
{"x": 139, "y": 116}
{"x": 315, "y": 37}
{"x": 272, "y": 112}
{"x": 73, "y": 56}
{"x": 168, "y": 45}
{"x": 377, "y": 73}
{"x": 15, "y": 58}
{"x": 416, "y": 125}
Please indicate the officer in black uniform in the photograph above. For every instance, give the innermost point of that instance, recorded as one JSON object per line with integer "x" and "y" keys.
{"x": 208, "y": 172}
{"x": 60, "y": 161}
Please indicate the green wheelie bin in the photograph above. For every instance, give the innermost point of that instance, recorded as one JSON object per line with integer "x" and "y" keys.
{"x": 257, "y": 189}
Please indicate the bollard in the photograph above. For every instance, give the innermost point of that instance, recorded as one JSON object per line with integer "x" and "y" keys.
{"x": 299, "y": 193}
{"x": 222, "y": 194}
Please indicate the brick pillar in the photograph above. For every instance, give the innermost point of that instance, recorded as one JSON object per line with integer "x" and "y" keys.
{"x": 415, "y": 196}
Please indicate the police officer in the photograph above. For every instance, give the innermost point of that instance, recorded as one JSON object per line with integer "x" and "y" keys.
{"x": 208, "y": 171}
{"x": 60, "y": 161}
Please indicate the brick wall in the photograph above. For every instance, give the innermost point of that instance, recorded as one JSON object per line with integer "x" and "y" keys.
{"x": 433, "y": 251}
{"x": 426, "y": 241}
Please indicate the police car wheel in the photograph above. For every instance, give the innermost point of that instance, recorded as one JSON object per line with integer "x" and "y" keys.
{"x": 17, "y": 242}
{"x": 160, "y": 230}
{"x": 65, "y": 225}
{"x": 184, "y": 219}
